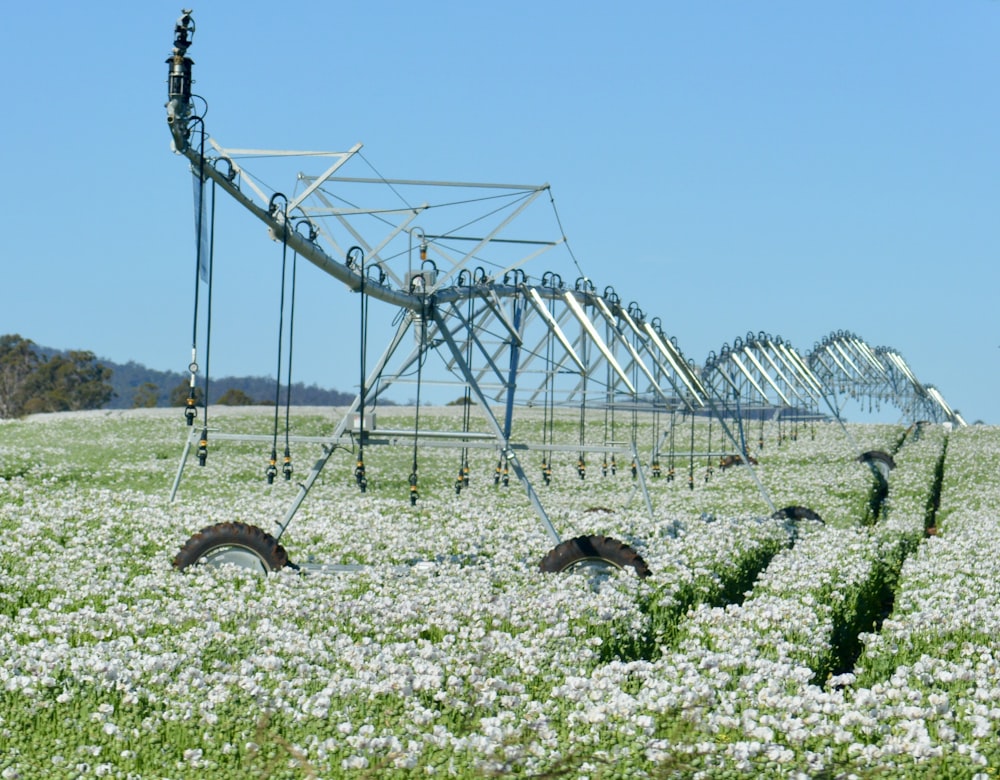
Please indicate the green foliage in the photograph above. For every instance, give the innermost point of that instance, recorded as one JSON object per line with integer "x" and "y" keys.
{"x": 135, "y": 386}
{"x": 18, "y": 360}
{"x": 68, "y": 384}
{"x": 235, "y": 397}
{"x": 62, "y": 383}
{"x": 87, "y": 494}
{"x": 145, "y": 396}
{"x": 934, "y": 497}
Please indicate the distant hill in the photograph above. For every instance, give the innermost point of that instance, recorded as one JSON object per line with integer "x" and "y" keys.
{"x": 127, "y": 378}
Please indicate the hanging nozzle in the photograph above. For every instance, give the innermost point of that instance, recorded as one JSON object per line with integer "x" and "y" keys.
{"x": 272, "y": 468}
{"x": 190, "y": 410}
{"x": 413, "y": 488}
{"x": 359, "y": 475}
{"x": 203, "y": 447}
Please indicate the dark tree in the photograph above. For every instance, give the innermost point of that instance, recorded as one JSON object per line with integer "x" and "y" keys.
{"x": 145, "y": 396}
{"x": 66, "y": 384}
{"x": 235, "y": 397}
{"x": 18, "y": 361}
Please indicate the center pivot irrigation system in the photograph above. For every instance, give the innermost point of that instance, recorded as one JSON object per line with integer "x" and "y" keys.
{"x": 450, "y": 261}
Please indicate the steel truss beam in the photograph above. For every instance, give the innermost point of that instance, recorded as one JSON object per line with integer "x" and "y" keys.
{"x": 446, "y": 254}
{"x": 850, "y": 368}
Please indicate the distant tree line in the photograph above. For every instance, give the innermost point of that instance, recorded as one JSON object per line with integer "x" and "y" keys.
{"x": 40, "y": 379}
{"x": 162, "y": 388}
{"x": 31, "y": 382}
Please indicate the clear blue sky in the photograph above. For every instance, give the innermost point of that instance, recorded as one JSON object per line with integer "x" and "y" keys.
{"x": 789, "y": 167}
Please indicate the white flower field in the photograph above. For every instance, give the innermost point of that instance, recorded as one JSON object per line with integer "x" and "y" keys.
{"x": 862, "y": 646}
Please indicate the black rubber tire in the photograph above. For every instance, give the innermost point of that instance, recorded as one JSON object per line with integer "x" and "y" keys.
{"x": 232, "y": 536}
{"x": 593, "y": 548}
{"x": 877, "y": 455}
{"x": 796, "y": 513}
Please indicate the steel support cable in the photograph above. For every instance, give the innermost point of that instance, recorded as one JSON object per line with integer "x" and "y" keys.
{"x": 356, "y": 255}
{"x": 190, "y": 410}
{"x": 550, "y": 400}
{"x": 272, "y": 467}
{"x": 760, "y": 434}
{"x": 286, "y": 465}
{"x": 462, "y": 480}
{"x": 512, "y": 198}
{"x": 555, "y": 280}
{"x": 609, "y": 422}
{"x": 562, "y": 233}
{"x": 691, "y": 461}
{"x": 656, "y": 442}
{"x": 609, "y": 404}
{"x": 748, "y": 418}
{"x": 611, "y": 296}
{"x": 671, "y": 463}
{"x": 467, "y": 406}
{"x": 416, "y": 417}
{"x": 386, "y": 182}
{"x": 421, "y": 356}
{"x": 376, "y": 214}
{"x": 515, "y": 199}
{"x": 203, "y": 441}
{"x": 708, "y": 458}
{"x": 548, "y": 413}
{"x": 546, "y": 474}
{"x": 635, "y": 404}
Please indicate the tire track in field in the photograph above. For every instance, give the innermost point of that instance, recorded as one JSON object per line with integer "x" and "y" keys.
{"x": 665, "y": 609}
{"x": 879, "y": 596}
{"x": 856, "y": 594}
